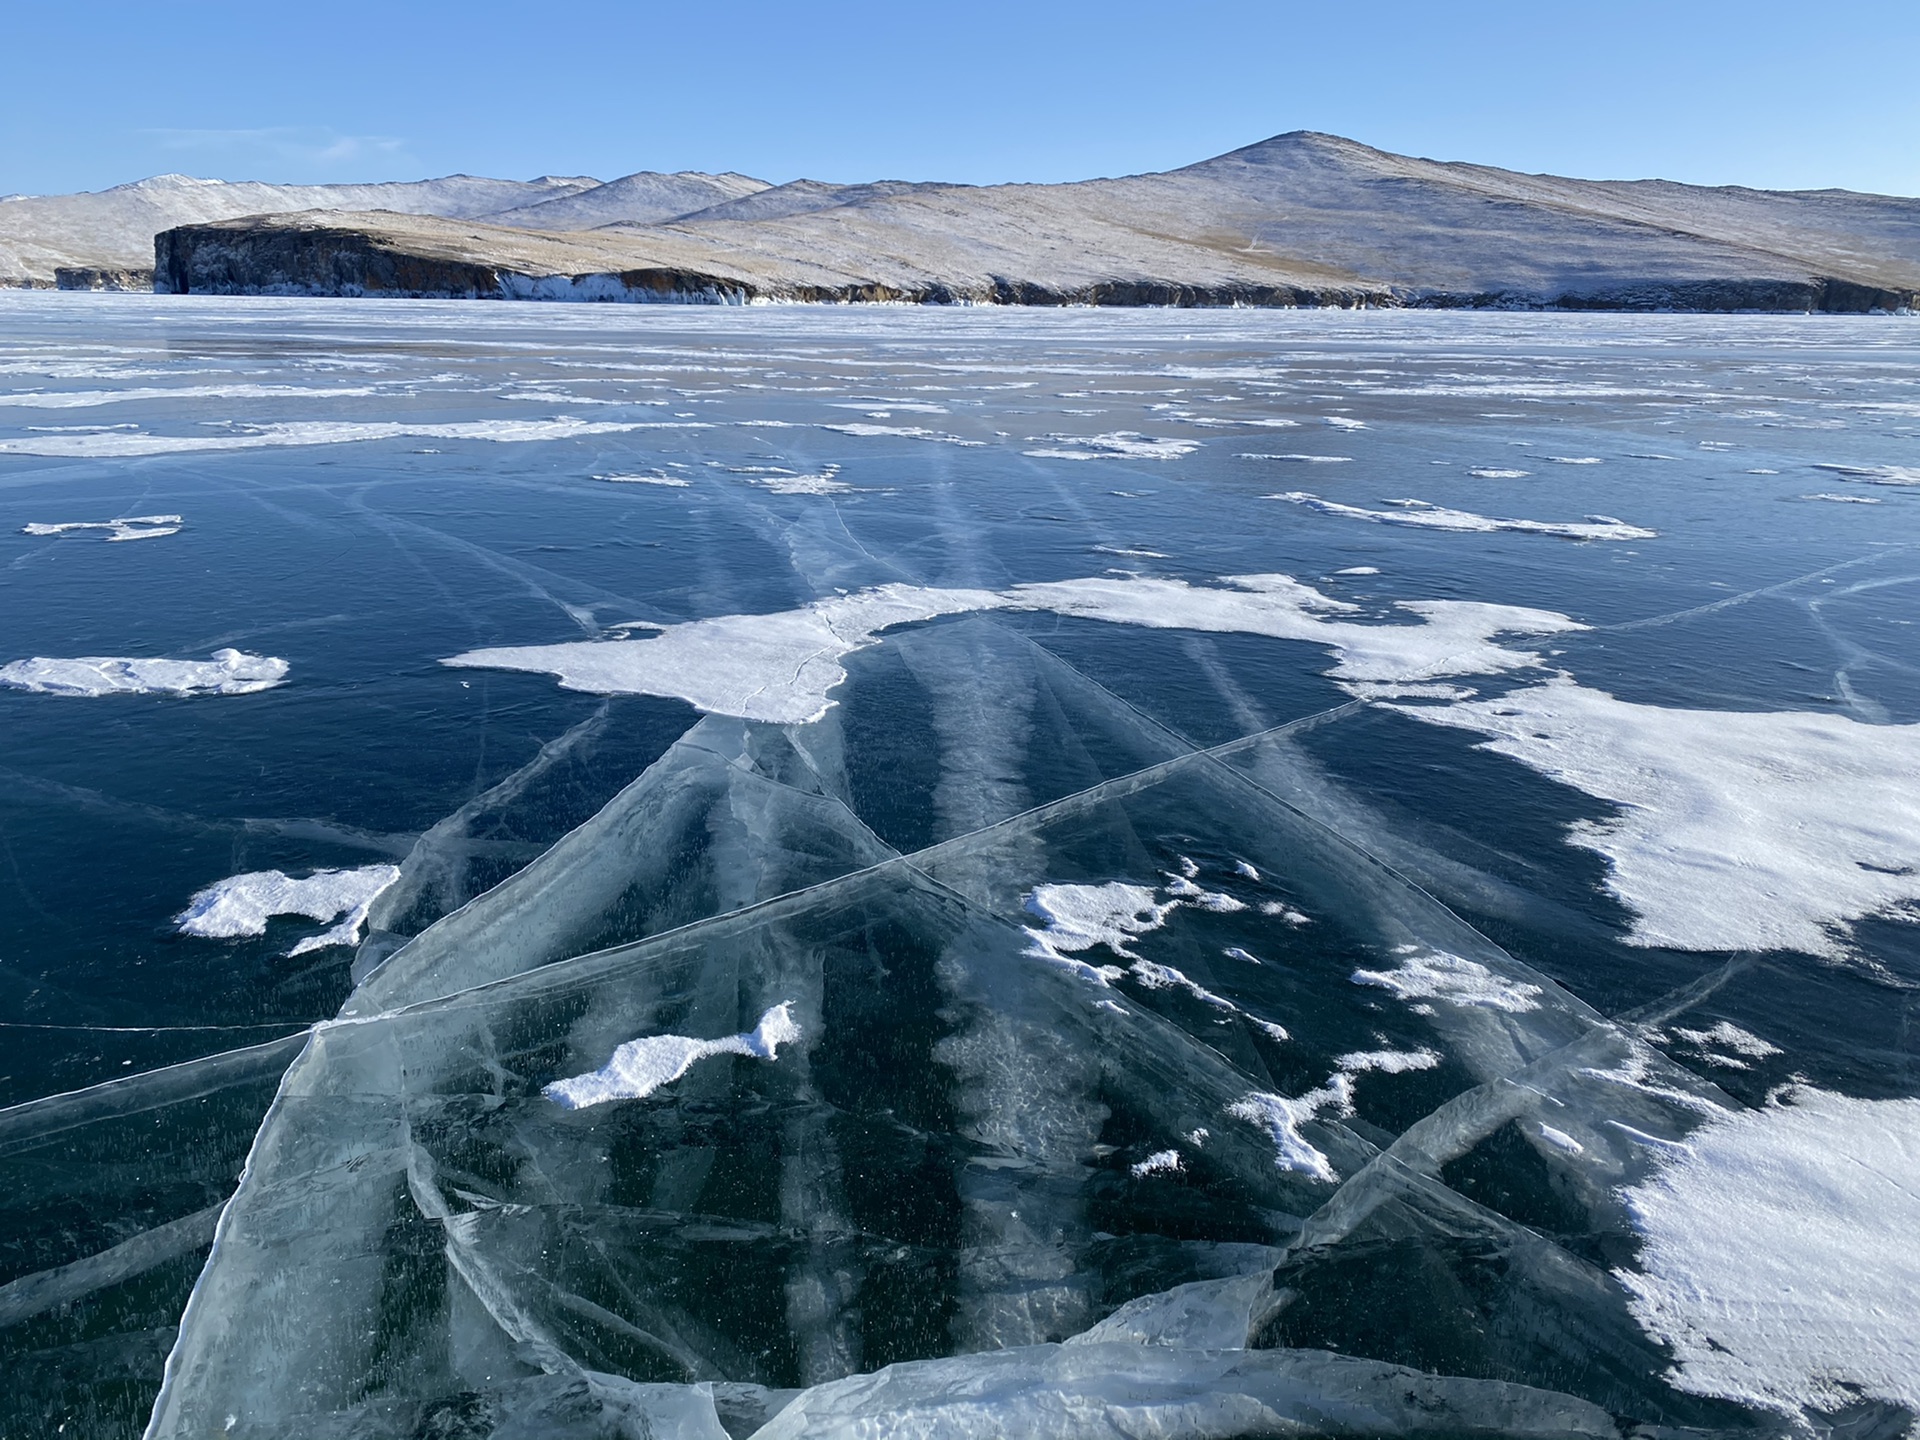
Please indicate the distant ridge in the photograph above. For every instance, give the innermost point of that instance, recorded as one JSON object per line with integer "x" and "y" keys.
{"x": 1299, "y": 219}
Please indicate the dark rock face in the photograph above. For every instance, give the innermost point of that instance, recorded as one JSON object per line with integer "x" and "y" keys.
{"x": 262, "y": 258}
{"x": 90, "y": 277}
{"x": 215, "y": 260}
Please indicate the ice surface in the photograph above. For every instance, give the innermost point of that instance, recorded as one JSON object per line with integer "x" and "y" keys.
{"x": 1104, "y": 1026}
{"x": 242, "y": 904}
{"x": 1440, "y": 517}
{"x": 132, "y": 527}
{"x": 1778, "y": 1255}
{"x": 1738, "y": 830}
{"x": 640, "y": 1067}
{"x": 229, "y": 672}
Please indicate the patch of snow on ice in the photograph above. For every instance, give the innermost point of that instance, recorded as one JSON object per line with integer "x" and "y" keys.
{"x": 783, "y": 667}
{"x": 1876, "y": 474}
{"x": 1128, "y": 444}
{"x": 81, "y": 399}
{"x": 652, "y": 477}
{"x": 326, "y": 432}
{"x": 1282, "y": 1116}
{"x": 1283, "y": 911}
{"x": 640, "y": 1067}
{"x": 1438, "y": 517}
{"x": 1359, "y": 570}
{"x": 907, "y": 432}
{"x": 1341, "y": 422}
{"x": 1301, "y": 459}
{"x": 1388, "y": 1062}
{"x": 782, "y": 481}
{"x": 1712, "y": 1043}
{"x": 1573, "y": 459}
{"x": 1739, "y": 830}
{"x": 242, "y": 904}
{"x": 1438, "y": 975}
{"x": 131, "y": 527}
{"x": 1182, "y": 888}
{"x": 1779, "y": 1258}
{"x": 1560, "y": 1140}
{"x": 1846, "y": 499}
{"x": 1083, "y": 917}
{"x": 1494, "y": 472}
{"x": 229, "y": 672}
{"x": 1161, "y": 1162}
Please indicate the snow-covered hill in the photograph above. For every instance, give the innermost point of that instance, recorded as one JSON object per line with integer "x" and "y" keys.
{"x": 646, "y": 198}
{"x": 1301, "y": 218}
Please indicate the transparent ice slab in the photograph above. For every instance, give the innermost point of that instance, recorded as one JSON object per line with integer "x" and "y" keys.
{"x": 947, "y": 1173}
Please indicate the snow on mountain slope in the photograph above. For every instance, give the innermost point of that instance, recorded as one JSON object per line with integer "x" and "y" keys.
{"x": 645, "y": 198}
{"x": 800, "y": 197}
{"x": 114, "y": 229}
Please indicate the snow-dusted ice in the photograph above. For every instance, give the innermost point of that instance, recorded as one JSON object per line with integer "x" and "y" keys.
{"x": 857, "y": 871}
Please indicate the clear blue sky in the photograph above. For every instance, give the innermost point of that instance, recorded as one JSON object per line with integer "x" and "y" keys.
{"x": 1759, "y": 93}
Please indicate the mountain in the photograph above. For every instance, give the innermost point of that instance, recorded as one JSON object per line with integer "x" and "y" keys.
{"x": 113, "y": 230}
{"x": 1300, "y": 219}
{"x": 645, "y": 198}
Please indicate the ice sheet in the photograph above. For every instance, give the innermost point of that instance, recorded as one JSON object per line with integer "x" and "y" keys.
{"x": 229, "y": 672}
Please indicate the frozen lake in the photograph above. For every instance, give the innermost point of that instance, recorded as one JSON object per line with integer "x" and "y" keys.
{"x": 955, "y": 872}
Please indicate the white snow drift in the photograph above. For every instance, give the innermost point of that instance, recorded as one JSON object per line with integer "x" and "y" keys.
{"x": 783, "y": 667}
{"x": 130, "y": 527}
{"x": 229, "y": 672}
{"x": 640, "y": 1067}
{"x": 1428, "y": 516}
{"x": 1765, "y": 830}
{"x": 242, "y": 904}
{"x": 1779, "y": 1256}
